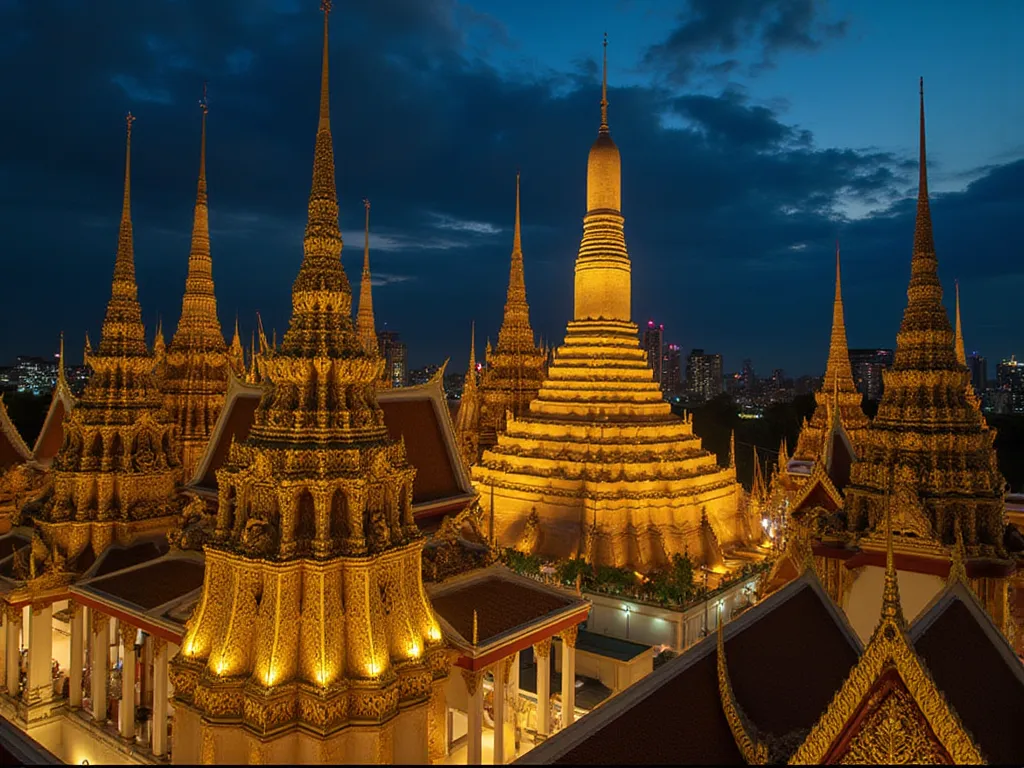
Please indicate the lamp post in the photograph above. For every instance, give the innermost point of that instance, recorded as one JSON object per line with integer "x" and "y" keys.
{"x": 704, "y": 568}
{"x": 626, "y": 609}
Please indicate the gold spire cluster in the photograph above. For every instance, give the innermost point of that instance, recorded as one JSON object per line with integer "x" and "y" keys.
{"x": 119, "y": 457}
{"x": 198, "y": 363}
{"x": 516, "y": 366}
{"x": 598, "y": 466}
{"x": 838, "y": 399}
{"x": 365, "y": 325}
{"x": 927, "y": 440}
{"x": 313, "y": 615}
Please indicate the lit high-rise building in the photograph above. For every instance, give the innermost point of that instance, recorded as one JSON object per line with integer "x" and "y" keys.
{"x": 671, "y": 370}
{"x": 1010, "y": 378}
{"x": 654, "y": 336}
{"x": 393, "y": 350}
{"x": 868, "y": 365}
{"x": 978, "y": 367}
{"x": 35, "y": 374}
{"x": 704, "y": 374}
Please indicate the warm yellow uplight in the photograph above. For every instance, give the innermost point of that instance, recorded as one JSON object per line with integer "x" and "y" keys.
{"x": 270, "y": 677}
{"x": 414, "y": 650}
{"x": 373, "y": 669}
{"x": 221, "y": 666}
{"x": 433, "y": 633}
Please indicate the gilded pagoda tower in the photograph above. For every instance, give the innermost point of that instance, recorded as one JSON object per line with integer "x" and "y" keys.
{"x": 927, "y": 437}
{"x": 598, "y": 466}
{"x": 467, "y": 420}
{"x": 838, "y": 393}
{"x": 197, "y": 363}
{"x": 516, "y": 367}
{"x": 115, "y": 472}
{"x": 314, "y": 641}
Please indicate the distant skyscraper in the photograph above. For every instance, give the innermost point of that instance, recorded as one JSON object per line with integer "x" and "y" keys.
{"x": 868, "y": 365}
{"x": 35, "y": 375}
{"x": 394, "y": 353}
{"x": 654, "y": 337}
{"x": 978, "y": 367}
{"x": 704, "y": 374}
{"x": 747, "y": 375}
{"x": 1010, "y": 378}
{"x": 671, "y": 370}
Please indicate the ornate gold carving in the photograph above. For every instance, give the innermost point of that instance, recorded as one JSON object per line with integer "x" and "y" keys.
{"x": 98, "y": 619}
{"x": 472, "y": 680}
{"x": 753, "y": 750}
{"x": 543, "y": 648}
{"x": 569, "y": 635}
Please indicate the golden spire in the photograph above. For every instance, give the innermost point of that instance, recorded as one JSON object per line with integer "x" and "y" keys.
{"x": 516, "y": 334}
{"x": 958, "y": 561}
{"x": 891, "y": 607}
{"x": 838, "y": 373}
{"x": 604, "y": 87}
{"x": 961, "y": 356}
{"x": 122, "y": 332}
{"x": 365, "y": 326}
{"x": 199, "y": 329}
{"x": 321, "y": 324}
{"x": 471, "y": 371}
{"x": 87, "y": 348}
{"x": 61, "y": 375}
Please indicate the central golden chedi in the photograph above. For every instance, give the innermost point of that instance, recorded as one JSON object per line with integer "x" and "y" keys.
{"x": 599, "y": 466}
{"x": 313, "y": 641}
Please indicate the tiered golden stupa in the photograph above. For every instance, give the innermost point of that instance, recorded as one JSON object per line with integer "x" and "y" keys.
{"x": 115, "y": 472}
{"x": 314, "y": 640}
{"x": 198, "y": 363}
{"x": 838, "y": 395}
{"x": 599, "y": 466}
{"x": 516, "y": 367}
{"x": 366, "y": 328}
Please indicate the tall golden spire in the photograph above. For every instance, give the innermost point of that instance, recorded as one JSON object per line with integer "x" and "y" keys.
{"x": 321, "y": 324}
{"x": 603, "y": 283}
{"x": 838, "y": 373}
{"x": 961, "y": 355}
{"x": 516, "y": 334}
{"x": 123, "y": 333}
{"x": 366, "y": 328}
{"x": 199, "y": 329}
{"x": 61, "y": 375}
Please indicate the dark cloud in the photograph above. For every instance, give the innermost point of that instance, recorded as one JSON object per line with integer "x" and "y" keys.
{"x": 716, "y": 37}
{"x": 730, "y": 212}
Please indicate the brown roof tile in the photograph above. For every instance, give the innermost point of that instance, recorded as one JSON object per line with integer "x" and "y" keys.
{"x": 975, "y": 679}
{"x": 501, "y": 606}
{"x": 50, "y": 439}
{"x": 153, "y": 585}
{"x": 121, "y": 558}
{"x": 416, "y": 421}
{"x": 239, "y": 422}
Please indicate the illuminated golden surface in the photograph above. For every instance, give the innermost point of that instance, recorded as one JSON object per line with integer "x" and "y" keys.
{"x": 598, "y": 466}
{"x": 120, "y": 456}
{"x": 365, "y": 327}
{"x": 313, "y": 618}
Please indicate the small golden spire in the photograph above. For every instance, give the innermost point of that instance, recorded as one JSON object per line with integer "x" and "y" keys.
{"x": 126, "y": 208}
{"x": 604, "y": 88}
{"x": 471, "y": 373}
{"x": 891, "y": 607}
{"x": 517, "y": 243}
{"x": 961, "y": 355}
{"x": 88, "y": 347}
{"x": 732, "y": 449}
{"x": 325, "y": 100}
{"x": 475, "y": 632}
{"x": 958, "y": 561}
{"x": 61, "y": 377}
{"x": 366, "y": 327}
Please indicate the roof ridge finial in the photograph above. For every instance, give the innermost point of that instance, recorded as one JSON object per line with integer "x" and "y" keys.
{"x": 325, "y": 106}
{"x": 61, "y": 376}
{"x": 958, "y": 561}
{"x": 126, "y": 208}
{"x": 604, "y": 87}
{"x": 204, "y": 105}
{"x": 472, "y": 347}
{"x": 891, "y": 606}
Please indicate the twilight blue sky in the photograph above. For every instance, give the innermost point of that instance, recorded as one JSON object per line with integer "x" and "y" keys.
{"x": 752, "y": 132}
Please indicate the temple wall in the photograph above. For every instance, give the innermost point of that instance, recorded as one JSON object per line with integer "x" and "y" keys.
{"x": 863, "y": 604}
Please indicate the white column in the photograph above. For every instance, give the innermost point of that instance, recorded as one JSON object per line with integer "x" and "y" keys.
{"x": 498, "y": 670}
{"x": 542, "y": 653}
{"x": 474, "y": 716}
{"x": 127, "y": 706}
{"x": 13, "y": 650}
{"x": 159, "y": 697}
{"x": 100, "y": 671}
{"x": 76, "y": 661}
{"x": 4, "y": 621}
{"x": 40, "y": 654}
{"x": 568, "y": 675}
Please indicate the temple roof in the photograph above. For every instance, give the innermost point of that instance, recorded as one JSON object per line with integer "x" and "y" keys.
{"x": 786, "y": 657}
{"x": 418, "y": 415}
{"x": 976, "y": 669}
{"x": 12, "y": 447}
{"x": 51, "y": 436}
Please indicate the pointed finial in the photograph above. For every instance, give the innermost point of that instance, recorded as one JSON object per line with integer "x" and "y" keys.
{"x": 88, "y": 346}
{"x": 325, "y": 107}
{"x": 923, "y": 170}
{"x": 204, "y": 106}
{"x": 958, "y": 563}
{"x": 60, "y": 362}
{"x": 604, "y": 87}
{"x": 732, "y": 449}
{"x": 839, "y": 292}
{"x": 366, "y": 237}
{"x": 516, "y": 238}
{"x": 475, "y": 630}
{"x": 472, "y": 347}
{"x": 961, "y": 354}
{"x": 126, "y": 208}
{"x": 891, "y": 607}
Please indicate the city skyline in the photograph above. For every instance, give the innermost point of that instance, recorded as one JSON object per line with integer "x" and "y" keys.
{"x": 785, "y": 171}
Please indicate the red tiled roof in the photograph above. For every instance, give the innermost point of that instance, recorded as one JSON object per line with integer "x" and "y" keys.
{"x": 417, "y": 422}
{"x": 50, "y": 439}
{"x": 501, "y": 605}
